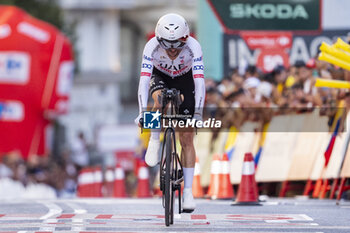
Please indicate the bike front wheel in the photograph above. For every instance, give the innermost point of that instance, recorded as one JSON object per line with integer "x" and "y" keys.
{"x": 169, "y": 192}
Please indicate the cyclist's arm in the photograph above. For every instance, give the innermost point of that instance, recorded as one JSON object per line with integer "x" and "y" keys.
{"x": 145, "y": 76}
{"x": 198, "y": 77}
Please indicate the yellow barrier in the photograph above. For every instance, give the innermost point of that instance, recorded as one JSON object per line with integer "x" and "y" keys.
{"x": 331, "y": 83}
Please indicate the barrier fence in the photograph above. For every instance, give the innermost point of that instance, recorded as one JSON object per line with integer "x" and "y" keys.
{"x": 282, "y": 155}
{"x": 285, "y": 155}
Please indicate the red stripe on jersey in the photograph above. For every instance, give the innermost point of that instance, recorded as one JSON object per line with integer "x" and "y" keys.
{"x": 198, "y": 76}
{"x": 146, "y": 74}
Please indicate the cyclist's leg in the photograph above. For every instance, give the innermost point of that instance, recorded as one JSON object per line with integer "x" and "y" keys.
{"x": 157, "y": 84}
{"x": 188, "y": 158}
{"x": 188, "y": 154}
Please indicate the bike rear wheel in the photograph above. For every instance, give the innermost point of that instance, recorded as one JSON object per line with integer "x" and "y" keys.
{"x": 169, "y": 169}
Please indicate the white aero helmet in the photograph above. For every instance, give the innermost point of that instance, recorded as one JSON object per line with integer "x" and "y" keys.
{"x": 172, "y": 31}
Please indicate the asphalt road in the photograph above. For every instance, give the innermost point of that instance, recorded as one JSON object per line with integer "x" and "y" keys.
{"x": 147, "y": 215}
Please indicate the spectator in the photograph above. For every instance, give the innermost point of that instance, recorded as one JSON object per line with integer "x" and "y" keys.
{"x": 226, "y": 86}
{"x": 79, "y": 155}
{"x": 250, "y": 86}
{"x": 307, "y": 81}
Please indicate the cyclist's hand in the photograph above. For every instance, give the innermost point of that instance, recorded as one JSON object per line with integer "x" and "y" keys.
{"x": 197, "y": 117}
{"x": 138, "y": 118}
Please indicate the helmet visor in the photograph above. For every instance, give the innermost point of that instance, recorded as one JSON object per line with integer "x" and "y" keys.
{"x": 172, "y": 44}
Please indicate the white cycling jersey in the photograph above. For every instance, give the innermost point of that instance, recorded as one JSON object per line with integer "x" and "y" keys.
{"x": 190, "y": 57}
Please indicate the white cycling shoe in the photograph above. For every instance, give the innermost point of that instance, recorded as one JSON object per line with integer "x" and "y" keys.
{"x": 152, "y": 154}
{"x": 188, "y": 204}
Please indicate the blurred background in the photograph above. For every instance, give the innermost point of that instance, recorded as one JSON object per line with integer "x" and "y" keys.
{"x": 69, "y": 72}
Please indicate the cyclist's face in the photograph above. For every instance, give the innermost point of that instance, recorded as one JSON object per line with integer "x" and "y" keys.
{"x": 173, "y": 53}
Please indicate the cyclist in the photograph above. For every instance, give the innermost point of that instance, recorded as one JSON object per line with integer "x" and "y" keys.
{"x": 173, "y": 59}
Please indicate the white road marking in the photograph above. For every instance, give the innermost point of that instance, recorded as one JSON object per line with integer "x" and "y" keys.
{"x": 77, "y": 209}
{"x": 276, "y": 221}
{"x": 307, "y": 218}
{"x": 53, "y": 209}
{"x": 78, "y": 224}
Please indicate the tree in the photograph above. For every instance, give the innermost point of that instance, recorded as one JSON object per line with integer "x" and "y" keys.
{"x": 46, "y": 10}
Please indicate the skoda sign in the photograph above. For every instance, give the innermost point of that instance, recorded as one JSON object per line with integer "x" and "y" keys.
{"x": 295, "y": 15}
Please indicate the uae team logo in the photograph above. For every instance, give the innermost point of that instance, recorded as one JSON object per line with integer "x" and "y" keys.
{"x": 151, "y": 120}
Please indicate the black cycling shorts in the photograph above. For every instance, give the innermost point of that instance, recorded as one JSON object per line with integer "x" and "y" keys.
{"x": 183, "y": 83}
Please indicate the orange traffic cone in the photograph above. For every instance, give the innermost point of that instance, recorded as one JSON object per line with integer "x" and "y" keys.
{"x": 119, "y": 184}
{"x": 317, "y": 188}
{"x": 85, "y": 182}
{"x": 225, "y": 187}
{"x": 213, "y": 190}
{"x": 143, "y": 183}
{"x": 197, "y": 189}
{"x": 248, "y": 190}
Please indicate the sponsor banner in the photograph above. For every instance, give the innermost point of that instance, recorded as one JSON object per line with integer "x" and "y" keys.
{"x": 11, "y": 111}
{"x": 14, "y": 67}
{"x": 284, "y": 15}
{"x": 303, "y": 47}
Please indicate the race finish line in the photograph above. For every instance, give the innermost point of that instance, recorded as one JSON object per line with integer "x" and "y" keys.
{"x": 152, "y": 222}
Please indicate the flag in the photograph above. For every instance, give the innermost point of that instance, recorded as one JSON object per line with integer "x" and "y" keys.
{"x": 231, "y": 142}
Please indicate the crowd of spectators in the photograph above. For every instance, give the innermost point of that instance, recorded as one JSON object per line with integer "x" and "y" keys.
{"x": 257, "y": 96}
{"x": 58, "y": 174}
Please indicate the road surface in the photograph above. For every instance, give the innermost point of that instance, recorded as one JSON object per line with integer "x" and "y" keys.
{"x": 147, "y": 215}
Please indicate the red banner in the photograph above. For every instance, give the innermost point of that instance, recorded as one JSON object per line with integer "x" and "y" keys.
{"x": 258, "y": 40}
{"x": 35, "y": 76}
{"x": 272, "y": 45}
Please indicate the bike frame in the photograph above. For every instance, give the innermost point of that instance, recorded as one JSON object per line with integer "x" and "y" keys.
{"x": 176, "y": 169}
